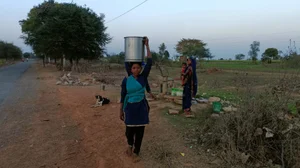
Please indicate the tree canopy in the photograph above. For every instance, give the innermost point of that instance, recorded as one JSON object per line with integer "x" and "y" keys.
{"x": 56, "y": 29}
{"x": 9, "y": 51}
{"x": 193, "y": 47}
{"x": 27, "y": 55}
{"x": 272, "y": 53}
{"x": 163, "y": 53}
{"x": 254, "y": 49}
{"x": 239, "y": 56}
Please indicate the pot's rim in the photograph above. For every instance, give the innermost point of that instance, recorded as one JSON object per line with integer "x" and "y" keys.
{"x": 133, "y": 37}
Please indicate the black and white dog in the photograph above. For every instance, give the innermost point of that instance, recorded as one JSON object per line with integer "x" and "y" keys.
{"x": 100, "y": 101}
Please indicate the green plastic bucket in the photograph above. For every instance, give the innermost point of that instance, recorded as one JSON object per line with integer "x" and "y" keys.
{"x": 173, "y": 91}
{"x": 176, "y": 92}
{"x": 179, "y": 92}
{"x": 217, "y": 107}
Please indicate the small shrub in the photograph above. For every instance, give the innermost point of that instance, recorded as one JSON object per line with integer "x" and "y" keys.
{"x": 294, "y": 62}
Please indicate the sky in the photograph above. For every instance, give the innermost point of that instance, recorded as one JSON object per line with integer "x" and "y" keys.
{"x": 228, "y": 27}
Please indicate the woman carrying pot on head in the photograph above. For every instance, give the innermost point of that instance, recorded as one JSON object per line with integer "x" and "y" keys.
{"x": 189, "y": 85}
{"x": 134, "y": 109}
{"x": 128, "y": 70}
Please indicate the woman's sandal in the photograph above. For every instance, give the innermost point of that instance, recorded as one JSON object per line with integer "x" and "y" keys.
{"x": 136, "y": 158}
{"x": 188, "y": 113}
{"x": 129, "y": 151}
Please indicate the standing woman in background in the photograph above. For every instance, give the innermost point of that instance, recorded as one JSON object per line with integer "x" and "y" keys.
{"x": 188, "y": 86}
{"x": 134, "y": 110}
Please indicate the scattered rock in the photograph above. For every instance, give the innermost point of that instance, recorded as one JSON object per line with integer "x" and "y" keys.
{"x": 214, "y": 99}
{"x": 173, "y": 112}
{"x": 217, "y": 162}
{"x": 85, "y": 83}
{"x": 258, "y": 132}
{"x": 269, "y": 133}
{"x": 244, "y": 158}
{"x": 215, "y": 115}
{"x": 230, "y": 109}
{"x": 64, "y": 77}
{"x": 154, "y": 85}
{"x": 68, "y": 80}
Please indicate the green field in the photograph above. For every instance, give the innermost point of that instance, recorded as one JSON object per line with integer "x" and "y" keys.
{"x": 246, "y": 65}
{"x": 228, "y": 83}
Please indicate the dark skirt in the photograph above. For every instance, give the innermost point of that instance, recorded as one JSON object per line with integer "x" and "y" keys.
{"x": 195, "y": 89}
{"x": 137, "y": 113}
{"x": 186, "y": 97}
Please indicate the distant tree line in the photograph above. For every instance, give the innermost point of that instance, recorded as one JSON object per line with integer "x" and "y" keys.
{"x": 9, "y": 51}
{"x": 271, "y": 54}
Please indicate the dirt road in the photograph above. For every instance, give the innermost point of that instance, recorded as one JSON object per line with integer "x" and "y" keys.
{"x": 54, "y": 126}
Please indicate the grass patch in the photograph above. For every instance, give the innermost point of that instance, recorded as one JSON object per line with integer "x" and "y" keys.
{"x": 182, "y": 123}
{"x": 2, "y": 62}
{"x": 224, "y": 95}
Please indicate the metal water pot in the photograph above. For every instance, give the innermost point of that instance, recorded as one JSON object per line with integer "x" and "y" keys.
{"x": 134, "y": 49}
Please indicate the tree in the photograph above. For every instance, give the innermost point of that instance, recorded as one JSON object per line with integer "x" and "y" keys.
{"x": 26, "y": 55}
{"x": 166, "y": 55}
{"x": 239, "y": 56}
{"x": 193, "y": 47}
{"x": 65, "y": 29}
{"x": 208, "y": 54}
{"x": 162, "y": 48}
{"x": 9, "y": 51}
{"x": 163, "y": 52}
{"x": 116, "y": 58}
{"x": 270, "y": 54}
{"x": 254, "y": 49}
{"x": 155, "y": 56}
